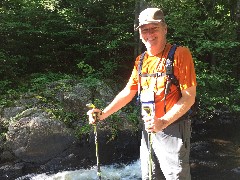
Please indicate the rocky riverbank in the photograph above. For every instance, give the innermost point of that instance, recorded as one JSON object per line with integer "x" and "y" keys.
{"x": 37, "y": 142}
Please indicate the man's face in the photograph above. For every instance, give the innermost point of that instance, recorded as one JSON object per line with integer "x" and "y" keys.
{"x": 153, "y": 34}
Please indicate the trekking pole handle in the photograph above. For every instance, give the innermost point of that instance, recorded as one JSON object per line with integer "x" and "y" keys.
{"x": 95, "y": 115}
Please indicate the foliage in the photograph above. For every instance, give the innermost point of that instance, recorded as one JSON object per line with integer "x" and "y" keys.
{"x": 133, "y": 112}
{"x": 8, "y": 66}
{"x": 34, "y": 86}
{"x": 218, "y": 90}
{"x": 62, "y": 36}
{"x": 42, "y": 41}
{"x": 82, "y": 131}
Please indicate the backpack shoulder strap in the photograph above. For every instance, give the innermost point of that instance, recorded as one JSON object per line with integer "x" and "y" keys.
{"x": 139, "y": 75}
{"x": 171, "y": 78}
{"x": 170, "y": 59}
{"x": 169, "y": 65}
{"x": 140, "y": 63}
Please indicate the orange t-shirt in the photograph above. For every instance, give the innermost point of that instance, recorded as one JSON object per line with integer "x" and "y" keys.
{"x": 183, "y": 70}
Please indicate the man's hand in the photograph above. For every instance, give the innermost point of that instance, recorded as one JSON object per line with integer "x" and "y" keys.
{"x": 154, "y": 124}
{"x": 94, "y": 115}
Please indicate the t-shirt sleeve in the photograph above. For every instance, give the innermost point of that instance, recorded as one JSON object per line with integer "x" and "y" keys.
{"x": 185, "y": 67}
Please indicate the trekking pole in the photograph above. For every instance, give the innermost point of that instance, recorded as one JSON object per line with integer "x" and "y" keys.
{"x": 95, "y": 116}
{"x": 150, "y": 156}
{"x": 148, "y": 111}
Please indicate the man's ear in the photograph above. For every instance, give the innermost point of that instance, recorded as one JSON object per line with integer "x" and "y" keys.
{"x": 165, "y": 29}
{"x": 140, "y": 36}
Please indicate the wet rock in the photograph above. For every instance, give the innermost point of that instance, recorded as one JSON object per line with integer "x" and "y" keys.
{"x": 38, "y": 138}
{"x": 11, "y": 171}
{"x": 236, "y": 170}
{"x": 200, "y": 148}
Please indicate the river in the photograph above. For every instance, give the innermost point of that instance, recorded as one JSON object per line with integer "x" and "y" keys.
{"x": 215, "y": 155}
{"x": 111, "y": 172}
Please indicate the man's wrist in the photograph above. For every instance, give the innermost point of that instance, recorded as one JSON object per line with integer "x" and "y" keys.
{"x": 164, "y": 122}
{"x": 102, "y": 115}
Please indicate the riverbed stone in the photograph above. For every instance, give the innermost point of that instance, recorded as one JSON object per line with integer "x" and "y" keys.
{"x": 38, "y": 138}
{"x": 11, "y": 171}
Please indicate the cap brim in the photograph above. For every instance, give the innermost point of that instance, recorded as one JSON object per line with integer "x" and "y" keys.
{"x": 147, "y": 22}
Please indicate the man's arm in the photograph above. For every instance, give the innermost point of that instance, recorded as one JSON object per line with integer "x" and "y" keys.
{"x": 123, "y": 98}
{"x": 182, "y": 106}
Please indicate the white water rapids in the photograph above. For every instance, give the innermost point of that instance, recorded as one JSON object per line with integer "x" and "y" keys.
{"x": 111, "y": 172}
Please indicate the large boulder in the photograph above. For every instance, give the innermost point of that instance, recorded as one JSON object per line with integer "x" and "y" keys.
{"x": 38, "y": 138}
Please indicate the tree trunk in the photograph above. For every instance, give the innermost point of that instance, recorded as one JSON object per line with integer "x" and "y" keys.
{"x": 139, "y": 6}
{"x": 238, "y": 19}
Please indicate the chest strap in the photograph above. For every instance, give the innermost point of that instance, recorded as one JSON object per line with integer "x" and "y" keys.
{"x": 158, "y": 74}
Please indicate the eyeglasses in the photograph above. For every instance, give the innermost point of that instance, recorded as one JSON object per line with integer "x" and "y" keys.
{"x": 149, "y": 30}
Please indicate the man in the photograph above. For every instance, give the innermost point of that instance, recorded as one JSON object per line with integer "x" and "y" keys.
{"x": 170, "y": 133}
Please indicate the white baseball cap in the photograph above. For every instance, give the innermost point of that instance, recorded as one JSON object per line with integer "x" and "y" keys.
{"x": 150, "y": 15}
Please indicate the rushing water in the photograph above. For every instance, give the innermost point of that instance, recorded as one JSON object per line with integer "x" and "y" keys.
{"x": 215, "y": 155}
{"x": 112, "y": 172}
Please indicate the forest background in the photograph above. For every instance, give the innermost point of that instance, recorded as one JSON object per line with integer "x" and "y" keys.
{"x": 42, "y": 41}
